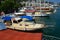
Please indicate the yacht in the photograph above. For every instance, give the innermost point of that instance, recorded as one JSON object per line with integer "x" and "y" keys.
{"x": 23, "y": 24}
{"x": 37, "y": 8}
{"x": 21, "y": 11}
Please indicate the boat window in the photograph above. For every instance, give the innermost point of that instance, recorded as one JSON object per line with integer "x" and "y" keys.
{"x": 15, "y": 21}
{"x": 20, "y": 20}
{"x": 26, "y": 25}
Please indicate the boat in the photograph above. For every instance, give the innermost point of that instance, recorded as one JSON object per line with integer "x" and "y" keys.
{"x": 55, "y": 5}
{"x": 37, "y": 8}
{"x": 44, "y": 7}
{"x": 20, "y": 12}
{"x": 38, "y": 13}
{"x": 30, "y": 11}
{"x": 23, "y": 23}
{"x": 34, "y": 12}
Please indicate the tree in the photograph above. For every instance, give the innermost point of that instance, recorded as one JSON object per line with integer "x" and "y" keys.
{"x": 9, "y": 5}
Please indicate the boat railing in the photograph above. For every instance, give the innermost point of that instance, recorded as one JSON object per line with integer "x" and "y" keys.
{"x": 48, "y": 37}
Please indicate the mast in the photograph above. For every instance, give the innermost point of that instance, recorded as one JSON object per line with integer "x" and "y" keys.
{"x": 40, "y": 6}
{"x": 44, "y": 2}
{"x": 48, "y": 3}
{"x": 26, "y": 4}
{"x": 29, "y": 3}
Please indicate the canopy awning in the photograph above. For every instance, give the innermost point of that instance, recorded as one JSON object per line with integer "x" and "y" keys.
{"x": 28, "y": 17}
{"x": 7, "y": 18}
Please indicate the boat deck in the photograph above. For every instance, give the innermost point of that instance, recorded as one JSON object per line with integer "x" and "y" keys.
{"x": 18, "y": 35}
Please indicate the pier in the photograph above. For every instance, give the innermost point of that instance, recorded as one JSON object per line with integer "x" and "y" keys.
{"x": 18, "y": 35}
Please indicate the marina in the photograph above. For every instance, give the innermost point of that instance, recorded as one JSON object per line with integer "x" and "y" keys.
{"x": 37, "y": 20}
{"x": 51, "y": 23}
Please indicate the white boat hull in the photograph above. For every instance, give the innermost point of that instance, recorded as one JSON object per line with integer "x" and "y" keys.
{"x": 41, "y": 14}
{"x": 24, "y": 28}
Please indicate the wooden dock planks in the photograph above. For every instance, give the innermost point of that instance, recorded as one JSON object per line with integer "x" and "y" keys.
{"x": 18, "y": 35}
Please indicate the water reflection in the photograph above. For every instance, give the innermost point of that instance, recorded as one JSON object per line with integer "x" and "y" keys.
{"x": 49, "y": 23}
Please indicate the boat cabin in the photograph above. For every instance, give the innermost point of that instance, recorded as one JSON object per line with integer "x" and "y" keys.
{"x": 16, "y": 20}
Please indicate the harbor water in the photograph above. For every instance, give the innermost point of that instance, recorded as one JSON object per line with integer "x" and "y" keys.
{"x": 53, "y": 25}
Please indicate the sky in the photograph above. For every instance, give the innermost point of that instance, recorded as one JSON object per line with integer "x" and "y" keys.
{"x": 54, "y": 0}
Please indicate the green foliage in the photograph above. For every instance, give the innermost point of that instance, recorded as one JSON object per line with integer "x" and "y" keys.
{"x": 9, "y": 5}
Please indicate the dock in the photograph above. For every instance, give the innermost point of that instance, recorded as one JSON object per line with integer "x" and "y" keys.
{"x": 18, "y": 35}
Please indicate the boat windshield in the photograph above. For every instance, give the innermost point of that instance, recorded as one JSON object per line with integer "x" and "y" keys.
{"x": 17, "y": 21}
